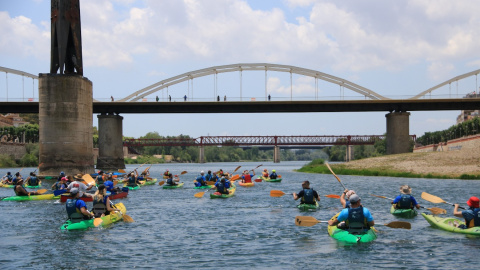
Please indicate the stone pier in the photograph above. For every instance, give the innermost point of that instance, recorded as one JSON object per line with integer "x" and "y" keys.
{"x": 398, "y": 137}
{"x": 276, "y": 154}
{"x": 65, "y": 115}
{"x": 110, "y": 142}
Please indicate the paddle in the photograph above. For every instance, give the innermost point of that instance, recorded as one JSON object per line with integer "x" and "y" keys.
{"x": 276, "y": 193}
{"x": 435, "y": 199}
{"x": 235, "y": 177}
{"x": 434, "y": 210}
{"x": 237, "y": 168}
{"x": 126, "y": 218}
{"x": 258, "y": 180}
{"x": 308, "y": 221}
{"x": 333, "y": 196}
{"x": 344, "y": 188}
{"x": 97, "y": 222}
{"x": 88, "y": 178}
{"x": 41, "y": 191}
{"x": 200, "y": 194}
{"x": 122, "y": 171}
{"x": 161, "y": 183}
{"x": 184, "y": 172}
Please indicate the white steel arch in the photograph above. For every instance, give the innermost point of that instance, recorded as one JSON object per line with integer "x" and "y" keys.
{"x": 457, "y": 78}
{"x": 250, "y": 66}
{"x": 18, "y": 72}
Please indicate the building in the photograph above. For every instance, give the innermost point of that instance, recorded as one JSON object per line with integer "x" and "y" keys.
{"x": 468, "y": 114}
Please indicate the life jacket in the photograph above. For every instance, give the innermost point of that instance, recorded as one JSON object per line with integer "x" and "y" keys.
{"x": 201, "y": 180}
{"x": 476, "y": 219}
{"x": 214, "y": 178}
{"x": 221, "y": 188}
{"x": 131, "y": 181}
{"x": 170, "y": 181}
{"x": 166, "y": 173}
{"x": 99, "y": 206}
{"x": 273, "y": 176}
{"x": 265, "y": 174}
{"x": 18, "y": 194}
{"x": 208, "y": 177}
{"x": 33, "y": 181}
{"x": 10, "y": 177}
{"x": 356, "y": 219}
{"x": 308, "y": 196}
{"x": 71, "y": 206}
{"x": 100, "y": 180}
{"x": 405, "y": 202}
{"x": 248, "y": 178}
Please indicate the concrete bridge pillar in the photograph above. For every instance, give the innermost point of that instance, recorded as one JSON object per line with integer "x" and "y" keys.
{"x": 276, "y": 154}
{"x": 66, "y": 125}
{"x": 201, "y": 155}
{"x": 398, "y": 137}
{"x": 349, "y": 153}
{"x": 110, "y": 142}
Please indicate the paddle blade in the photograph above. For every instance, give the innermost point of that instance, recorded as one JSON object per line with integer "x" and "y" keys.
{"x": 97, "y": 222}
{"x": 431, "y": 198}
{"x": 127, "y": 218}
{"x": 161, "y": 183}
{"x": 276, "y": 193}
{"x": 437, "y": 210}
{"x": 41, "y": 191}
{"x": 184, "y": 172}
{"x": 88, "y": 178}
{"x": 399, "y": 225}
{"x": 258, "y": 180}
{"x": 236, "y": 169}
{"x": 122, "y": 171}
{"x": 209, "y": 183}
{"x": 306, "y": 221}
{"x": 235, "y": 177}
{"x": 199, "y": 194}
{"x": 258, "y": 166}
{"x": 115, "y": 182}
{"x": 333, "y": 196}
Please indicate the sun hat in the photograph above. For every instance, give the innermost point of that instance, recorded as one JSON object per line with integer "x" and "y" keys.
{"x": 473, "y": 202}
{"x": 354, "y": 198}
{"x": 405, "y": 189}
{"x": 78, "y": 176}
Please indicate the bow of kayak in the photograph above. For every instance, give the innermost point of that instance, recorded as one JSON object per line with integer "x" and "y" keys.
{"x": 106, "y": 220}
{"x": 450, "y": 224}
{"x": 366, "y": 236}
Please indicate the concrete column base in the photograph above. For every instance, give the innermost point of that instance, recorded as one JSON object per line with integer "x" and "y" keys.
{"x": 398, "y": 129}
{"x": 201, "y": 155}
{"x": 110, "y": 143}
{"x": 66, "y": 125}
{"x": 276, "y": 154}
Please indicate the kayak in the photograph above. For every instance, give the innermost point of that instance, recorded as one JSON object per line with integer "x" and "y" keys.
{"x": 217, "y": 194}
{"x": 64, "y": 197}
{"x": 204, "y": 187}
{"x": 306, "y": 206}
{"x": 447, "y": 224}
{"x": 149, "y": 182}
{"x": 11, "y": 186}
{"x": 133, "y": 188}
{"x": 31, "y": 198}
{"x": 271, "y": 180}
{"x": 107, "y": 220}
{"x": 368, "y": 235}
{"x": 251, "y": 184}
{"x": 179, "y": 185}
{"x": 404, "y": 213}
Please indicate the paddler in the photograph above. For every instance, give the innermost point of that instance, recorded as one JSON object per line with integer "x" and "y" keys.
{"x": 200, "y": 180}
{"x": 21, "y": 191}
{"x": 247, "y": 177}
{"x": 405, "y": 200}
{"x": 110, "y": 185}
{"x": 7, "y": 179}
{"x": 471, "y": 215}
{"x": 222, "y": 186}
{"x": 132, "y": 179}
{"x": 101, "y": 202}
{"x": 308, "y": 195}
{"x": 75, "y": 206}
{"x": 209, "y": 176}
{"x": 82, "y": 188}
{"x": 265, "y": 173}
{"x": 345, "y": 197}
{"x": 171, "y": 181}
{"x": 273, "y": 175}
{"x": 356, "y": 217}
{"x": 17, "y": 177}
{"x": 100, "y": 179}
{"x": 32, "y": 180}
{"x": 165, "y": 174}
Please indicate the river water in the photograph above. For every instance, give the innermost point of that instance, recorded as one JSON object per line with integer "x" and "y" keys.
{"x": 175, "y": 230}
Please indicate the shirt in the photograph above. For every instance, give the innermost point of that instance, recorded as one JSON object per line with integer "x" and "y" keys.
{"x": 344, "y": 215}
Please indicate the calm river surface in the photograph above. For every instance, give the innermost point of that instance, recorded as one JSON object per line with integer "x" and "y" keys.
{"x": 175, "y": 230}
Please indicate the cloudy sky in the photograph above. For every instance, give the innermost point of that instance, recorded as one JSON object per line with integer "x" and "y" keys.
{"x": 397, "y": 48}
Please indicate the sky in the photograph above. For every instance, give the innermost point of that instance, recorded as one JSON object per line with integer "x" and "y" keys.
{"x": 397, "y": 48}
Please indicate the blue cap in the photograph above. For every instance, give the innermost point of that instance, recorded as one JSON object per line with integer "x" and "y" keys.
{"x": 62, "y": 173}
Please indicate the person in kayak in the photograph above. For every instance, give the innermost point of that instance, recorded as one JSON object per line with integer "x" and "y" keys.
{"x": 308, "y": 195}
{"x": 7, "y": 179}
{"x": 60, "y": 184}
{"x": 247, "y": 177}
{"x": 21, "y": 191}
{"x": 405, "y": 200}
{"x": 273, "y": 175}
{"x": 344, "y": 198}
{"x": 100, "y": 179}
{"x": 101, "y": 202}
{"x": 17, "y": 177}
{"x": 110, "y": 186}
{"x": 208, "y": 177}
{"x": 222, "y": 186}
{"x": 62, "y": 174}
{"x": 82, "y": 188}
{"x": 265, "y": 173}
{"x": 133, "y": 180}
{"x": 32, "y": 180}
{"x": 214, "y": 177}
{"x": 77, "y": 209}
{"x": 356, "y": 217}
{"x": 200, "y": 180}
{"x": 166, "y": 173}
{"x": 471, "y": 215}
{"x": 171, "y": 181}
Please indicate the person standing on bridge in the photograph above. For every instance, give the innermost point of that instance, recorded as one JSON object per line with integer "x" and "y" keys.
{"x": 157, "y": 99}
{"x": 269, "y": 97}
{"x": 225, "y": 98}
{"x": 112, "y": 98}
{"x": 218, "y": 98}
{"x": 185, "y": 98}
{"x": 169, "y": 98}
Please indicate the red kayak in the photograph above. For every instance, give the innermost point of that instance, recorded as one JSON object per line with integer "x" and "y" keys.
{"x": 66, "y": 196}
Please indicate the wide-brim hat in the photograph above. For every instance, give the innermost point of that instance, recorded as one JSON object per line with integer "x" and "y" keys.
{"x": 405, "y": 189}
{"x": 473, "y": 202}
{"x": 78, "y": 176}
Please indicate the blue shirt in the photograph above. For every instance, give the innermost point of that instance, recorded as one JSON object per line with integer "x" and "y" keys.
{"x": 468, "y": 215}
{"x": 79, "y": 204}
{"x": 344, "y": 215}
{"x": 399, "y": 197}
{"x": 109, "y": 185}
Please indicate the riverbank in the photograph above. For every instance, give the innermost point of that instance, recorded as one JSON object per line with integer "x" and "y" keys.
{"x": 462, "y": 164}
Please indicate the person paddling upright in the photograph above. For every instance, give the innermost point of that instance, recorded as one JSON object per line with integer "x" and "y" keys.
{"x": 345, "y": 198}
{"x": 21, "y": 191}
{"x": 357, "y": 217}
{"x": 405, "y": 200}
{"x": 308, "y": 195}
{"x": 77, "y": 209}
{"x": 471, "y": 215}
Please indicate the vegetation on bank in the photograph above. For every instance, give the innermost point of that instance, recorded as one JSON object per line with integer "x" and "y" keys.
{"x": 466, "y": 128}
{"x": 318, "y": 166}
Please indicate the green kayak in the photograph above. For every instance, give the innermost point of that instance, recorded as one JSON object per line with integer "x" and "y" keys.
{"x": 133, "y": 188}
{"x": 179, "y": 185}
{"x": 404, "y": 213}
{"x": 368, "y": 235}
{"x": 217, "y": 195}
{"x": 272, "y": 180}
{"x": 448, "y": 224}
{"x": 306, "y": 206}
{"x": 32, "y": 198}
{"x": 107, "y": 220}
{"x": 11, "y": 186}
{"x": 149, "y": 182}
{"x": 204, "y": 187}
